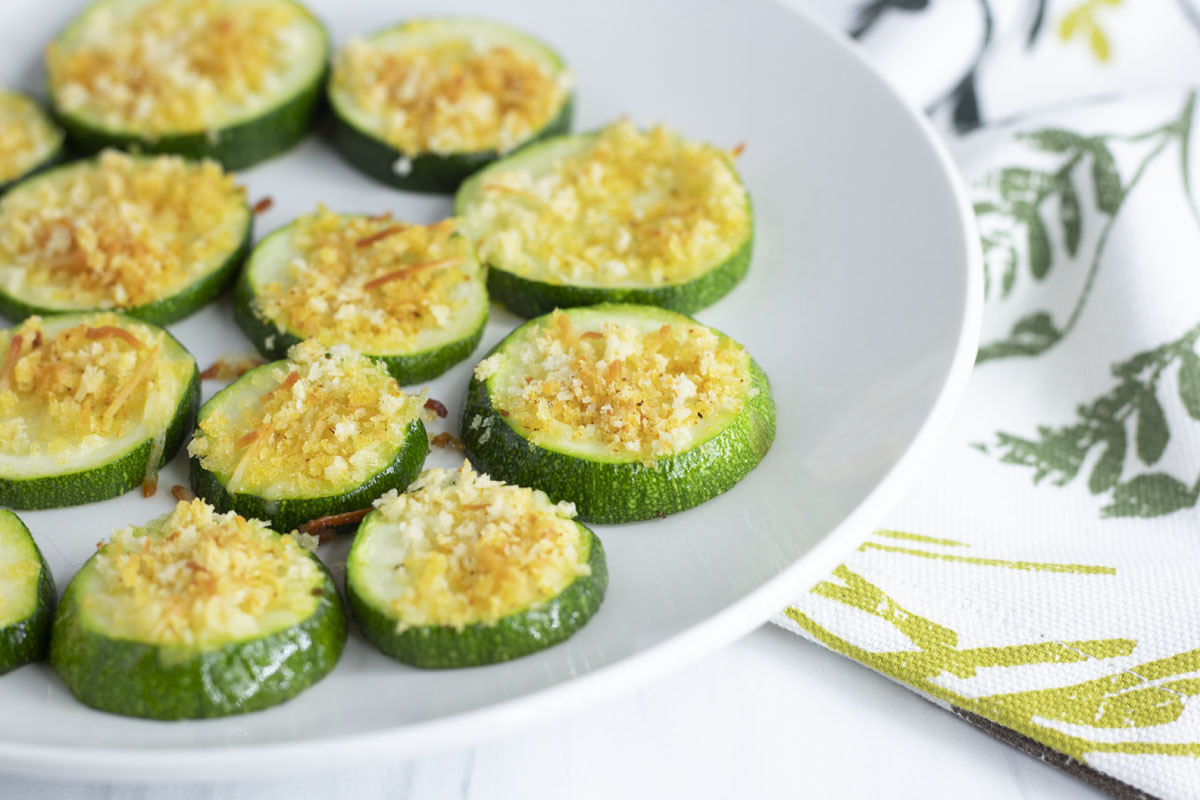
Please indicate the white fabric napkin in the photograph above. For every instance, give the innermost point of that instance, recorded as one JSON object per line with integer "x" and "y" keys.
{"x": 1043, "y": 577}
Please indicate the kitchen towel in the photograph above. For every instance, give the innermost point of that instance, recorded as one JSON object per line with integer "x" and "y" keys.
{"x": 1042, "y": 578}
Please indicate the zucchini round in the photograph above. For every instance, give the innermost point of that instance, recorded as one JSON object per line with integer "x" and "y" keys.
{"x": 162, "y": 622}
{"x": 154, "y": 237}
{"x": 56, "y": 450}
{"x": 26, "y": 596}
{"x": 643, "y": 412}
{"x": 463, "y": 571}
{"x": 452, "y": 112}
{"x": 29, "y": 140}
{"x": 322, "y": 433}
{"x": 237, "y": 81}
{"x": 613, "y": 216}
{"x": 418, "y": 292}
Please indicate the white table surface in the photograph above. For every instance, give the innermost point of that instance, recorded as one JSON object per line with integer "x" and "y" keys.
{"x": 770, "y": 716}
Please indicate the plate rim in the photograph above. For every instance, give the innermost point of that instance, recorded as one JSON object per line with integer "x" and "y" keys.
{"x": 468, "y": 728}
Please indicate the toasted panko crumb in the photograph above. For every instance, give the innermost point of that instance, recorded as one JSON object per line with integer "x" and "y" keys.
{"x": 370, "y": 282}
{"x": 120, "y": 231}
{"x": 177, "y": 65}
{"x": 325, "y": 419}
{"x": 99, "y": 378}
{"x": 632, "y": 208}
{"x": 617, "y": 385}
{"x": 462, "y": 548}
{"x": 195, "y": 577}
{"x": 456, "y": 94}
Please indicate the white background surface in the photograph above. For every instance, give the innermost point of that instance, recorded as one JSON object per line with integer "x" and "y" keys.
{"x": 770, "y": 716}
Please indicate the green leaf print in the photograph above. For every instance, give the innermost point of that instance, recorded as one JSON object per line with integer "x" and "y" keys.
{"x": 1105, "y": 179}
{"x": 1059, "y": 453}
{"x": 1152, "y": 433}
{"x": 1039, "y": 247}
{"x": 1189, "y": 383}
{"x": 1069, "y": 215}
{"x": 1023, "y": 200}
{"x": 1150, "y": 495}
{"x": 1057, "y": 140}
{"x": 1033, "y": 334}
{"x": 1107, "y": 471}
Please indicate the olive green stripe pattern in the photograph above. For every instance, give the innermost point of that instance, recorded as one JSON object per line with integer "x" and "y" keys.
{"x": 1148, "y": 694}
{"x": 1078, "y": 569}
{"x": 916, "y": 537}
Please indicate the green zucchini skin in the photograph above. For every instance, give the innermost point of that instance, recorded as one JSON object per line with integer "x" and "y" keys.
{"x": 519, "y": 634}
{"x": 623, "y": 491}
{"x": 432, "y": 173}
{"x": 236, "y": 147}
{"x": 27, "y": 640}
{"x": 287, "y": 514}
{"x": 274, "y": 342}
{"x": 137, "y": 679}
{"x": 112, "y": 479}
{"x": 184, "y": 303}
{"x": 531, "y": 298}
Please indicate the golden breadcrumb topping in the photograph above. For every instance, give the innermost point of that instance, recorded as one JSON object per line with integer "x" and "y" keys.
{"x": 451, "y": 95}
{"x": 99, "y": 378}
{"x": 371, "y": 282}
{"x": 27, "y": 137}
{"x": 460, "y": 548}
{"x": 119, "y": 231}
{"x": 627, "y": 208}
{"x": 169, "y": 66}
{"x": 630, "y": 389}
{"x": 198, "y": 578}
{"x": 308, "y": 426}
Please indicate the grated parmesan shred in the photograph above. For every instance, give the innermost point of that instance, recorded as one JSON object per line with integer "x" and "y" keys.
{"x": 322, "y": 420}
{"x": 632, "y": 208}
{"x": 174, "y": 66}
{"x": 61, "y": 389}
{"x": 120, "y": 231}
{"x": 634, "y": 392}
{"x": 198, "y": 578}
{"x": 455, "y": 94}
{"x": 461, "y": 548}
{"x": 337, "y": 290}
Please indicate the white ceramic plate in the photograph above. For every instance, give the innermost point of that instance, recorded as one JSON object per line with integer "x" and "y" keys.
{"x": 862, "y": 304}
